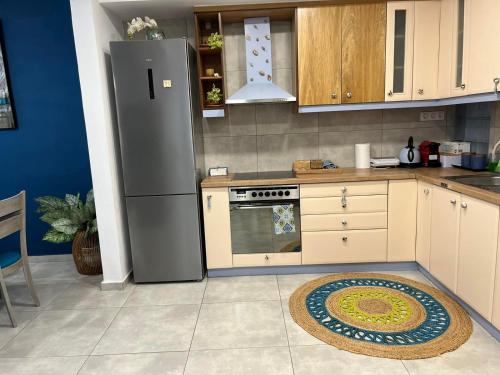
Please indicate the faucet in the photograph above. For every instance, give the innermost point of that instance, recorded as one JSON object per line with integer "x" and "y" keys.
{"x": 494, "y": 151}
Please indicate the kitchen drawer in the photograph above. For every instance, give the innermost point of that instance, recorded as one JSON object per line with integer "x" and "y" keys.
{"x": 375, "y": 220}
{"x": 333, "y": 205}
{"x": 344, "y": 246}
{"x": 335, "y": 189}
{"x": 267, "y": 259}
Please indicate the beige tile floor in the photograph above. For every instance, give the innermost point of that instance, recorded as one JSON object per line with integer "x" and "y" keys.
{"x": 235, "y": 326}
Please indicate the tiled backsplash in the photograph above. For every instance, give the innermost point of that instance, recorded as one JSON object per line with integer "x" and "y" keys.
{"x": 268, "y": 137}
{"x": 473, "y": 123}
{"x": 495, "y": 127}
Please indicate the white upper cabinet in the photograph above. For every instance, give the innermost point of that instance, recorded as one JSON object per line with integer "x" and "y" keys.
{"x": 426, "y": 49}
{"x": 484, "y": 45}
{"x": 469, "y": 58}
{"x": 399, "y": 50}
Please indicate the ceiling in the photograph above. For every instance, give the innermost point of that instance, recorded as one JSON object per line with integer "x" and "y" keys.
{"x": 168, "y": 9}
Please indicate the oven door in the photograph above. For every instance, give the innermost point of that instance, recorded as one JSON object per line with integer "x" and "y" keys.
{"x": 253, "y": 229}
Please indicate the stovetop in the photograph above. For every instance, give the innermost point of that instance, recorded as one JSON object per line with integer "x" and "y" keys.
{"x": 263, "y": 175}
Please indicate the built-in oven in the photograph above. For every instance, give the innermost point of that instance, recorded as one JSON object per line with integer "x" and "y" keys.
{"x": 265, "y": 219}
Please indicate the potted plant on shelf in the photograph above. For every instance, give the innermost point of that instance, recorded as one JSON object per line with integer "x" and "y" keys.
{"x": 214, "y": 96}
{"x": 72, "y": 220}
{"x": 215, "y": 41}
{"x": 151, "y": 26}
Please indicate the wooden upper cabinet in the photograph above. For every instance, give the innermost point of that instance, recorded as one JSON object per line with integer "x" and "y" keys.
{"x": 426, "y": 49}
{"x": 363, "y": 52}
{"x": 399, "y": 50}
{"x": 319, "y": 55}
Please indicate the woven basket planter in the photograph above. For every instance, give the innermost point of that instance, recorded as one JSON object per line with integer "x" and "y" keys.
{"x": 87, "y": 254}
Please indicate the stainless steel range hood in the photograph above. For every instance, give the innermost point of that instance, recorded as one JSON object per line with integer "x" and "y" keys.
{"x": 260, "y": 87}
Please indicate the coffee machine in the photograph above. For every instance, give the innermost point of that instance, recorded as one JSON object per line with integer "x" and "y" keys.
{"x": 429, "y": 152}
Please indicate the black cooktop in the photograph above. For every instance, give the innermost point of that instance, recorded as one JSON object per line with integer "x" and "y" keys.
{"x": 263, "y": 175}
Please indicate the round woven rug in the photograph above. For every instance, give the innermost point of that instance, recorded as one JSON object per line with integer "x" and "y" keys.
{"x": 380, "y": 315}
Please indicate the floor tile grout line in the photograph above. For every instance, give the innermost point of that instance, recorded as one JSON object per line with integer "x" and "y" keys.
{"x": 82, "y": 365}
{"x": 195, "y": 325}
{"x": 21, "y": 330}
{"x": 406, "y": 368}
{"x": 105, "y": 331}
{"x": 284, "y": 323}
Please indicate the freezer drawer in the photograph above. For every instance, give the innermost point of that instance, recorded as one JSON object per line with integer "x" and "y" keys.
{"x": 165, "y": 238}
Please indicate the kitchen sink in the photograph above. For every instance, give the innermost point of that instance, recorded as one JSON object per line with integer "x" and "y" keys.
{"x": 489, "y": 182}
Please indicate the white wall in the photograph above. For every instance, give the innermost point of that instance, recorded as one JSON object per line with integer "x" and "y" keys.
{"x": 94, "y": 27}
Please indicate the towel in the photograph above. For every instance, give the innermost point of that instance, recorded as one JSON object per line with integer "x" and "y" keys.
{"x": 284, "y": 221}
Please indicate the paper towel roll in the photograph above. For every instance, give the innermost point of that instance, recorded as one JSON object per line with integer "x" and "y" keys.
{"x": 362, "y": 151}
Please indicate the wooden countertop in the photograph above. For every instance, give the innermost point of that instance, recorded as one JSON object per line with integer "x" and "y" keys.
{"x": 433, "y": 176}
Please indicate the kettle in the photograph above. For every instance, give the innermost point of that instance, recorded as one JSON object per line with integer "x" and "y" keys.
{"x": 409, "y": 156}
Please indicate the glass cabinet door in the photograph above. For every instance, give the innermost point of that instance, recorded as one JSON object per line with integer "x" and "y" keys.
{"x": 459, "y": 57}
{"x": 399, "y": 50}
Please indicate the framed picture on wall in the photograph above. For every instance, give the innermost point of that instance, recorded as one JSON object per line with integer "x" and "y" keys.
{"x": 7, "y": 116}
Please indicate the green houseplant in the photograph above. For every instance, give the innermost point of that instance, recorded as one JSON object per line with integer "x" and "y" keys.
{"x": 215, "y": 41}
{"x": 72, "y": 220}
{"x": 214, "y": 96}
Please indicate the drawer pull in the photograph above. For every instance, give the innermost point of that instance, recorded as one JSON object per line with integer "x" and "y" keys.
{"x": 266, "y": 257}
{"x": 464, "y": 205}
{"x": 453, "y": 201}
{"x": 426, "y": 191}
{"x": 344, "y": 222}
{"x": 344, "y": 238}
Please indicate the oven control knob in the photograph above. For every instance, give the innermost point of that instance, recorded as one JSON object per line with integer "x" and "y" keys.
{"x": 280, "y": 193}
{"x": 261, "y": 194}
{"x": 267, "y": 194}
{"x": 273, "y": 193}
{"x": 254, "y": 194}
{"x": 287, "y": 193}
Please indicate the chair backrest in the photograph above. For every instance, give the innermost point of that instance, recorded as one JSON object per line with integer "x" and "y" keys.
{"x": 12, "y": 212}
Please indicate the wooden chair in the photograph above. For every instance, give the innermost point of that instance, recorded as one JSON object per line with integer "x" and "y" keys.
{"x": 12, "y": 220}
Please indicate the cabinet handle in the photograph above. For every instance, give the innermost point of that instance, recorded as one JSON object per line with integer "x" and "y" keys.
{"x": 496, "y": 81}
{"x": 426, "y": 191}
{"x": 209, "y": 201}
{"x": 349, "y": 95}
{"x": 344, "y": 238}
{"x": 462, "y": 86}
{"x": 420, "y": 91}
{"x": 344, "y": 222}
{"x": 334, "y": 95}
{"x": 390, "y": 93}
{"x": 453, "y": 201}
{"x": 266, "y": 257}
{"x": 464, "y": 205}
{"x": 344, "y": 189}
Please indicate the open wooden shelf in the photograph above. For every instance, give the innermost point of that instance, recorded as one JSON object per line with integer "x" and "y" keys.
{"x": 208, "y": 58}
{"x": 210, "y": 78}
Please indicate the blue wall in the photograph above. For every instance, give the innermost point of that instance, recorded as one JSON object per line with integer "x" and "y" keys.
{"x": 47, "y": 154}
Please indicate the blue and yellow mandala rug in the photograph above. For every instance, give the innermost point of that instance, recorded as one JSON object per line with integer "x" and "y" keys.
{"x": 380, "y": 315}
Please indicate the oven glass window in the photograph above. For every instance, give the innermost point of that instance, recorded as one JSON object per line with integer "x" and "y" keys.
{"x": 265, "y": 227}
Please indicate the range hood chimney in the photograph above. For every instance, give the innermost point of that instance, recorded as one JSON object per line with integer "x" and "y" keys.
{"x": 260, "y": 87}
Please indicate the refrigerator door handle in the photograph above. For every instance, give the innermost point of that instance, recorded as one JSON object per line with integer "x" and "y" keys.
{"x": 151, "y": 84}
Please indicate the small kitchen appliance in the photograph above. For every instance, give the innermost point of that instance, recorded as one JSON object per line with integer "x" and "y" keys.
{"x": 410, "y": 156}
{"x": 429, "y": 152}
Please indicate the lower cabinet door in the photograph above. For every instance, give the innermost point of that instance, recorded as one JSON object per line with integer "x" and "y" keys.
{"x": 424, "y": 206}
{"x": 344, "y": 246}
{"x": 444, "y": 236}
{"x": 477, "y": 252}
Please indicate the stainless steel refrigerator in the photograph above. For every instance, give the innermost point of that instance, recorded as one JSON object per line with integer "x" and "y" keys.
{"x": 159, "y": 126}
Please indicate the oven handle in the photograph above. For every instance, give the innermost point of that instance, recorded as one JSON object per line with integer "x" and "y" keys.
{"x": 239, "y": 207}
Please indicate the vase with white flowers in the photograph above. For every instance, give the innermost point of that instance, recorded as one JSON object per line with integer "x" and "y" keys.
{"x": 149, "y": 24}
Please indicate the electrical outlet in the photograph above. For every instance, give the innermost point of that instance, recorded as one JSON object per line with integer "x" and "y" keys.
{"x": 432, "y": 116}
